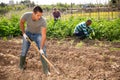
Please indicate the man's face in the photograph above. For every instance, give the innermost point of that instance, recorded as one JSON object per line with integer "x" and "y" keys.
{"x": 88, "y": 23}
{"x": 55, "y": 10}
{"x": 37, "y": 15}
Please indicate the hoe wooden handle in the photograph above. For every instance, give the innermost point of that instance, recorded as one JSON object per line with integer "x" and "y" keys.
{"x": 34, "y": 45}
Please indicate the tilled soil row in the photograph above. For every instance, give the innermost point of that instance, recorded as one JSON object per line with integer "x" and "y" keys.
{"x": 76, "y": 60}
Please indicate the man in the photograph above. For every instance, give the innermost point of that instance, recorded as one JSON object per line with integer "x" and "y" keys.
{"x": 56, "y": 14}
{"x": 83, "y": 29}
{"x": 36, "y": 31}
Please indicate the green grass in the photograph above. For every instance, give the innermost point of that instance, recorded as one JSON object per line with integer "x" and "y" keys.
{"x": 80, "y": 44}
{"x": 114, "y": 49}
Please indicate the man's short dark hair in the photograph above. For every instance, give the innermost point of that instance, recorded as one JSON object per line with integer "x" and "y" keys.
{"x": 89, "y": 20}
{"x": 55, "y": 8}
{"x": 37, "y": 9}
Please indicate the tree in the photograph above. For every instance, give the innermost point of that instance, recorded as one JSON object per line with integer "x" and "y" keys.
{"x": 3, "y": 4}
{"x": 28, "y": 3}
{"x": 115, "y": 3}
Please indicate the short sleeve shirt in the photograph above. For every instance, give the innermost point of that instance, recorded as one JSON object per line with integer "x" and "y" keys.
{"x": 33, "y": 26}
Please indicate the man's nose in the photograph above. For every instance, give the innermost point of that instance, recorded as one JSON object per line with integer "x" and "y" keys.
{"x": 39, "y": 17}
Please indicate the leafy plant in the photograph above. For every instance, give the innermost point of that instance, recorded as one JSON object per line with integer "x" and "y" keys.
{"x": 104, "y": 29}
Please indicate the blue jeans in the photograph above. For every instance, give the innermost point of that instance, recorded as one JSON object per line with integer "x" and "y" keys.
{"x": 81, "y": 35}
{"x": 26, "y": 45}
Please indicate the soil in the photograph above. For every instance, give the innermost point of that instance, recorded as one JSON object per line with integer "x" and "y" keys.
{"x": 74, "y": 59}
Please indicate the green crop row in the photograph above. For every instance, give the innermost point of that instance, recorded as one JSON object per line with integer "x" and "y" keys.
{"x": 104, "y": 29}
{"x": 9, "y": 27}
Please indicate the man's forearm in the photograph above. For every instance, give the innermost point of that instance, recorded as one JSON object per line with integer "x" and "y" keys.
{"x": 22, "y": 28}
{"x": 43, "y": 41}
{"x": 85, "y": 32}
